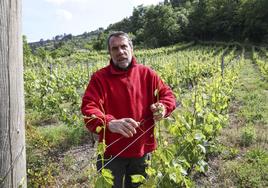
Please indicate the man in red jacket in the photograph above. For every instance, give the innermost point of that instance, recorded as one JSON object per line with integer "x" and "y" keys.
{"x": 121, "y": 104}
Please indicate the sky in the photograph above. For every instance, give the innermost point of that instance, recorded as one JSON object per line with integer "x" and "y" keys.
{"x": 44, "y": 19}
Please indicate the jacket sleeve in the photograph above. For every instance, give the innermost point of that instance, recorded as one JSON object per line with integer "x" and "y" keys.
{"x": 92, "y": 107}
{"x": 164, "y": 95}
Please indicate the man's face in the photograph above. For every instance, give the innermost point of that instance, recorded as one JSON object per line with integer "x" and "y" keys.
{"x": 120, "y": 51}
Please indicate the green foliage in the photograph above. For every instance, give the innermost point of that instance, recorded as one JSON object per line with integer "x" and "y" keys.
{"x": 101, "y": 42}
{"x": 229, "y": 153}
{"x": 253, "y": 14}
{"x": 249, "y": 173}
{"x": 248, "y": 135}
{"x": 27, "y": 52}
{"x": 105, "y": 180}
{"x": 42, "y": 166}
{"x": 173, "y": 21}
{"x": 261, "y": 62}
{"x": 195, "y": 76}
{"x": 63, "y": 136}
{"x": 57, "y": 95}
{"x": 165, "y": 28}
{"x": 40, "y": 169}
{"x": 42, "y": 53}
{"x": 137, "y": 178}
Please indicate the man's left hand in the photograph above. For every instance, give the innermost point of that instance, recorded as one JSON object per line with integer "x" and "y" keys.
{"x": 159, "y": 111}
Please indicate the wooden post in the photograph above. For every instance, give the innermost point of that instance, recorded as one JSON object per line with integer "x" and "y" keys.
{"x": 12, "y": 132}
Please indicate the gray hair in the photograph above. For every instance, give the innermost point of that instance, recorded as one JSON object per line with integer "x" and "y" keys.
{"x": 119, "y": 34}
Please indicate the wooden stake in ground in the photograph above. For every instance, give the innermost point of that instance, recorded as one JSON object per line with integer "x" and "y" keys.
{"x": 12, "y": 132}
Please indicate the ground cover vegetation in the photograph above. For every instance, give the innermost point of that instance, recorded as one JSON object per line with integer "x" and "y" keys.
{"x": 204, "y": 78}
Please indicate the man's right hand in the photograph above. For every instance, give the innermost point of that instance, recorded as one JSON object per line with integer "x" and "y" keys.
{"x": 125, "y": 126}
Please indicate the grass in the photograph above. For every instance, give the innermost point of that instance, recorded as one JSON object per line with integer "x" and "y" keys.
{"x": 242, "y": 155}
{"x": 62, "y": 136}
{"x": 243, "y": 173}
{"x": 44, "y": 146}
{"x": 247, "y": 133}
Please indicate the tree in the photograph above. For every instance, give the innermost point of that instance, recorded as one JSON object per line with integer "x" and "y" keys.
{"x": 177, "y": 3}
{"x": 123, "y": 25}
{"x": 198, "y": 21}
{"x": 12, "y": 132}
{"x": 253, "y": 15}
{"x": 101, "y": 42}
{"x": 137, "y": 18}
{"x": 137, "y": 23}
{"x": 161, "y": 26}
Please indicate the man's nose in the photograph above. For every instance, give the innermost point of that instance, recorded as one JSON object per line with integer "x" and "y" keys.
{"x": 120, "y": 51}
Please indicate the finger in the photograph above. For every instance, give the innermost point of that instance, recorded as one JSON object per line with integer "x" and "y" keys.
{"x": 122, "y": 132}
{"x": 128, "y": 129}
{"x": 159, "y": 105}
{"x": 131, "y": 128}
{"x": 116, "y": 126}
{"x": 132, "y": 122}
{"x": 153, "y": 107}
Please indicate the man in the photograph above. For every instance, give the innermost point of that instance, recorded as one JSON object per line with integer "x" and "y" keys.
{"x": 127, "y": 98}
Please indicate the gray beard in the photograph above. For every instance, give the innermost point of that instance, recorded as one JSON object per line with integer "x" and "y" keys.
{"x": 123, "y": 69}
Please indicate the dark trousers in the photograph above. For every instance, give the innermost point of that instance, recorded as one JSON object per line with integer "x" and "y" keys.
{"x": 123, "y": 168}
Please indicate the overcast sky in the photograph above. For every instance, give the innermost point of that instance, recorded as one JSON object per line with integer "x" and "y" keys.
{"x": 48, "y": 18}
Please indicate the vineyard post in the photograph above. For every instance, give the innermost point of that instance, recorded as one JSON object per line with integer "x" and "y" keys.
{"x": 88, "y": 69}
{"x": 81, "y": 66}
{"x": 12, "y": 132}
{"x": 50, "y": 68}
{"x": 222, "y": 65}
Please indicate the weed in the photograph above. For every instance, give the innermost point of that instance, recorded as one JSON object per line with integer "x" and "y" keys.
{"x": 257, "y": 155}
{"x": 68, "y": 162}
{"x": 243, "y": 174}
{"x": 42, "y": 143}
{"x": 63, "y": 136}
{"x": 229, "y": 153}
{"x": 248, "y": 135}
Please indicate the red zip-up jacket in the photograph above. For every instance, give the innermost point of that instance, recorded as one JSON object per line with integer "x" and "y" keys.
{"x": 115, "y": 94}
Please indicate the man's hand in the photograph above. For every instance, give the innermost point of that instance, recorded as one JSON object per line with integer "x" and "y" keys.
{"x": 125, "y": 126}
{"x": 159, "y": 111}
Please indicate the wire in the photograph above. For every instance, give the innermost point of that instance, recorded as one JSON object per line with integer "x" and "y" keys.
{"x": 125, "y": 148}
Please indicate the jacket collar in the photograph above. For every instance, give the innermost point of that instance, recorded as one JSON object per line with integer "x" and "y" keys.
{"x": 114, "y": 70}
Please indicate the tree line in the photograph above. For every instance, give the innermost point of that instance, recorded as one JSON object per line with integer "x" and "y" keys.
{"x": 174, "y": 21}
{"x": 171, "y": 22}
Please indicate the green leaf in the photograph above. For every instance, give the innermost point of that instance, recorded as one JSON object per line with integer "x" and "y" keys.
{"x": 101, "y": 148}
{"x": 183, "y": 171}
{"x": 101, "y": 183}
{"x": 150, "y": 171}
{"x": 198, "y": 107}
{"x": 203, "y": 149}
{"x": 199, "y": 136}
{"x": 202, "y": 166}
{"x": 208, "y": 128}
{"x": 173, "y": 177}
{"x": 107, "y": 175}
{"x": 137, "y": 178}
